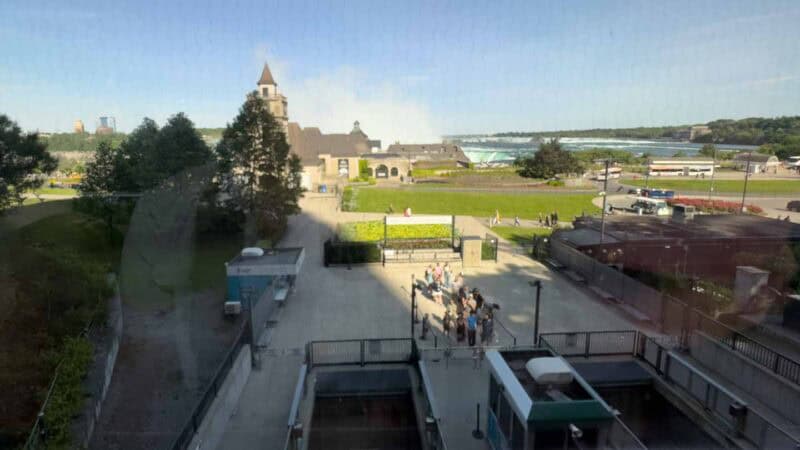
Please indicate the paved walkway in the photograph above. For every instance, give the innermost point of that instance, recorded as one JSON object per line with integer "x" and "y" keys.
{"x": 373, "y": 301}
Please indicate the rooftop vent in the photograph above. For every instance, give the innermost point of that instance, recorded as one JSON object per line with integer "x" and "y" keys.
{"x": 252, "y": 252}
{"x": 549, "y": 371}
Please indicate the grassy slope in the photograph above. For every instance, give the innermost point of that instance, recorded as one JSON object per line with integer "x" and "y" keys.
{"x": 52, "y": 275}
{"x": 721, "y": 186}
{"x": 526, "y": 206}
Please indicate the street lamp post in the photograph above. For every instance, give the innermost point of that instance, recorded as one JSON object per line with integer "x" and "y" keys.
{"x": 538, "y": 285}
{"x": 605, "y": 196}
{"x": 413, "y": 303}
{"x": 746, "y": 176}
{"x": 713, "y": 171}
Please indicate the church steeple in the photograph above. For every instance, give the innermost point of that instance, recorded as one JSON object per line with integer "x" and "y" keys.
{"x": 268, "y": 90}
{"x": 266, "y": 77}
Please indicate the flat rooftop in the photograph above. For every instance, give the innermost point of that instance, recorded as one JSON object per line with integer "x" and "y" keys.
{"x": 271, "y": 257}
{"x": 701, "y": 227}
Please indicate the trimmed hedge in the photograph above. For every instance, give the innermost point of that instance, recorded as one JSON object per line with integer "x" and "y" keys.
{"x": 351, "y": 253}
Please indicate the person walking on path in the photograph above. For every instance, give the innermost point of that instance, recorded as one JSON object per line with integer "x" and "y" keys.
{"x": 472, "y": 328}
{"x": 428, "y": 278}
{"x": 461, "y": 326}
{"x": 448, "y": 275}
{"x": 437, "y": 273}
{"x": 516, "y": 221}
{"x": 541, "y": 221}
{"x": 487, "y": 328}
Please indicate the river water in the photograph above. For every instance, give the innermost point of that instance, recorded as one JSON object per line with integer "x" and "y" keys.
{"x": 493, "y": 149}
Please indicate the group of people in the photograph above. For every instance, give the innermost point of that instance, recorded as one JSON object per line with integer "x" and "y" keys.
{"x": 549, "y": 220}
{"x": 467, "y": 314}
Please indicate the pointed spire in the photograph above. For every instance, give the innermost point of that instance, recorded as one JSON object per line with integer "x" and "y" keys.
{"x": 266, "y": 76}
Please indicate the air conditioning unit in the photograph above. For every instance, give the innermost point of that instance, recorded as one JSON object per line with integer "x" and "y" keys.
{"x": 233, "y": 308}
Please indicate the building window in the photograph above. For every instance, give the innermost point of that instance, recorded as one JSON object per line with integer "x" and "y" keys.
{"x": 394, "y": 171}
{"x": 265, "y": 91}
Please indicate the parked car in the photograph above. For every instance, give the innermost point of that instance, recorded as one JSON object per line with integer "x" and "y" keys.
{"x": 636, "y": 191}
{"x": 793, "y": 206}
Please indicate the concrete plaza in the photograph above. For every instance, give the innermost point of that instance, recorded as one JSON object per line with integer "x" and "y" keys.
{"x": 373, "y": 301}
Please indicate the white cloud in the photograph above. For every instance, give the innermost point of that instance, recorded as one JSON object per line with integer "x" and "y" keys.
{"x": 335, "y": 100}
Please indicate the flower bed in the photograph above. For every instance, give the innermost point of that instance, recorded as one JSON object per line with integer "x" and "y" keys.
{"x": 705, "y": 205}
{"x": 372, "y": 231}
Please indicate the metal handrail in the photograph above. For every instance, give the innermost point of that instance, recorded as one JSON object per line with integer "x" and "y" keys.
{"x": 191, "y": 425}
{"x": 513, "y": 338}
{"x": 793, "y": 376}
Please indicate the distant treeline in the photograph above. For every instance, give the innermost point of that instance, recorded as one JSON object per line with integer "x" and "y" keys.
{"x": 625, "y": 133}
{"x": 79, "y": 142}
{"x": 750, "y": 131}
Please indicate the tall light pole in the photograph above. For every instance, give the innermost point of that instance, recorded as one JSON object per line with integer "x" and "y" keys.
{"x": 746, "y": 176}
{"x": 538, "y": 285}
{"x": 713, "y": 171}
{"x": 605, "y": 196}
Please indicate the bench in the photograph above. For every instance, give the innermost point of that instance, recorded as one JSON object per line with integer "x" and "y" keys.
{"x": 574, "y": 276}
{"x": 554, "y": 264}
{"x": 603, "y": 294}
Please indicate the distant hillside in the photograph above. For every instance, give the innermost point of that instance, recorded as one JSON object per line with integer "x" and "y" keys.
{"x": 79, "y": 142}
{"x": 750, "y": 131}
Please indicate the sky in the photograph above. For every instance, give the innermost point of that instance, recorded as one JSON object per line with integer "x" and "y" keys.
{"x": 408, "y": 71}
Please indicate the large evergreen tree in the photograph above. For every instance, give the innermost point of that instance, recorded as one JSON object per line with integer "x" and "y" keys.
{"x": 22, "y": 157}
{"x": 258, "y": 176}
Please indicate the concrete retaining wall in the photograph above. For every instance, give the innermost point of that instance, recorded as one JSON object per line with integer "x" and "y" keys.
{"x": 209, "y": 433}
{"x": 106, "y": 341}
{"x": 781, "y": 395}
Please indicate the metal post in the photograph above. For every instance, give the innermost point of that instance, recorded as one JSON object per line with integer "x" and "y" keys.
{"x": 477, "y": 433}
{"x": 413, "y": 303}
{"x": 713, "y": 171}
{"x": 538, "y": 285}
{"x": 605, "y": 196}
{"x": 746, "y": 176}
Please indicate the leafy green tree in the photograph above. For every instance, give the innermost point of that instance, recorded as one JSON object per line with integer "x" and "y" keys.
{"x": 549, "y": 161}
{"x": 258, "y": 175}
{"x": 22, "y": 157}
{"x": 178, "y": 146}
{"x": 100, "y": 172}
{"x": 708, "y": 150}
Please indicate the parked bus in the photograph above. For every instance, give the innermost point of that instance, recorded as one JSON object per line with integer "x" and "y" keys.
{"x": 648, "y": 205}
{"x": 613, "y": 173}
{"x": 658, "y": 193}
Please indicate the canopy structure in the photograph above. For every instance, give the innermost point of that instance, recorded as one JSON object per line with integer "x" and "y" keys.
{"x": 420, "y": 220}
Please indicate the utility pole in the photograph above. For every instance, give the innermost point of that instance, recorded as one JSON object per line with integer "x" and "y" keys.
{"x": 605, "y": 196}
{"x": 713, "y": 171}
{"x": 746, "y": 176}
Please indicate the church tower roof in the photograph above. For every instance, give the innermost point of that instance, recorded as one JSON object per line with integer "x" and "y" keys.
{"x": 266, "y": 76}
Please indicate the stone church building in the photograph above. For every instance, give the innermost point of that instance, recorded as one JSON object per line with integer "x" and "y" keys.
{"x": 329, "y": 158}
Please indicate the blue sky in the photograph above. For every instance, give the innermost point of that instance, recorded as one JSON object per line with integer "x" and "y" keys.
{"x": 408, "y": 71}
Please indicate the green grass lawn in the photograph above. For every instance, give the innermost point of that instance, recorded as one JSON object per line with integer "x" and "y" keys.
{"x": 720, "y": 186}
{"x": 526, "y": 206}
{"x": 520, "y": 235}
{"x": 56, "y": 191}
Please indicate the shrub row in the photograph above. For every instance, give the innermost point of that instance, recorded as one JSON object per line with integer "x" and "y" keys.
{"x": 351, "y": 253}
{"x": 706, "y": 205}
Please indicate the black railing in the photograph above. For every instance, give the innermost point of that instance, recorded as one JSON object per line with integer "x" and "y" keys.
{"x": 754, "y": 350}
{"x": 198, "y": 414}
{"x": 360, "y": 351}
{"x": 591, "y": 343}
